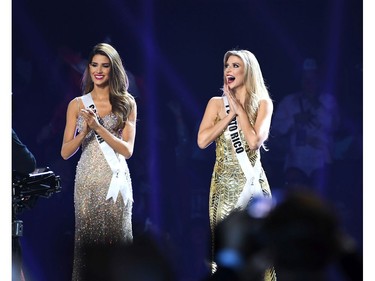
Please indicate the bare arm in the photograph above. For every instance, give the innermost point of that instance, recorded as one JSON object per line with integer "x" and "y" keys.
{"x": 256, "y": 135}
{"x": 125, "y": 146}
{"x": 208, "y": 130}
{"x": 71, "y": 141}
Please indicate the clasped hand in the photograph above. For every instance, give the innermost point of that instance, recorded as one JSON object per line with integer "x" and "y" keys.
{"x": 90, "y": 118}
{"x": 235, "y": 106}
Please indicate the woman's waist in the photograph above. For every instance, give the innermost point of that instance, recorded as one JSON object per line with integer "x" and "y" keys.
{"x": 230, "y": 157}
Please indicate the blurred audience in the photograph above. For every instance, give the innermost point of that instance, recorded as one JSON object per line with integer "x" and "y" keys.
{"x": 307, "y": 242}
{"x": 297, "y": 233}
{"x": 241, "y": 248}
{"x": 304, "y": 125}
{"x": 141, "y": 260}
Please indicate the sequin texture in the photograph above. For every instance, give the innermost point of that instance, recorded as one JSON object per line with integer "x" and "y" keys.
{"x": 227, "y": 183}
{"x": 97, "y": 220}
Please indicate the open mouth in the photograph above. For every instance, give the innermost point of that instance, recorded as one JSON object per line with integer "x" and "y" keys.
{"x": 230, "y": 79}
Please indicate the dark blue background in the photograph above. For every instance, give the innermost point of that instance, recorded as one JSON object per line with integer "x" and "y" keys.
{"x": 174, "y": 50}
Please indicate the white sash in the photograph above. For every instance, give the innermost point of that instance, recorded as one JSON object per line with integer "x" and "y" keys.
{"x": 117, "y": 163}
{"x": 252, "y": 186}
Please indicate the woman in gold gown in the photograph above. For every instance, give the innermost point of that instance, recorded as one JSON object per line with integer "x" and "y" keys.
{"x": 239, "y": 123}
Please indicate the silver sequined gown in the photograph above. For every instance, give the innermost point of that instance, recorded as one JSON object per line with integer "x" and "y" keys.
{"x": 227, "y": 183}
{"x": 97, "y": 220}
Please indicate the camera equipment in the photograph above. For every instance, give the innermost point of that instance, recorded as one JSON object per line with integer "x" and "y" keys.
{"x": 27, "y": 188}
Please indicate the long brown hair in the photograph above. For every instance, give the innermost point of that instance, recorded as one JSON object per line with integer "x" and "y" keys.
{"x": 121, "y": 100}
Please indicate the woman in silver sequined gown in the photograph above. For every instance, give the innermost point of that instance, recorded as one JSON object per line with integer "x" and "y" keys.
{"x": 251, "y": 105}
{"x": 100, "y": 221}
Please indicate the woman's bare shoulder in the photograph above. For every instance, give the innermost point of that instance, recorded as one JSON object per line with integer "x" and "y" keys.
{"x": 216, "y": 101}
{"x": 216, "y": 98}
{"x": 76, "y": 104}
{"x": 267, "y": 103}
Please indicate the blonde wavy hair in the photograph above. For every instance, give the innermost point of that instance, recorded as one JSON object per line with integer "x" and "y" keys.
{"x": 254, "y": 82}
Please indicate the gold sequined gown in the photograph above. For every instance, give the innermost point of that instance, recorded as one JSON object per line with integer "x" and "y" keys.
{"x": 97, "y": 220}
{"x": 227, "y": 183}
